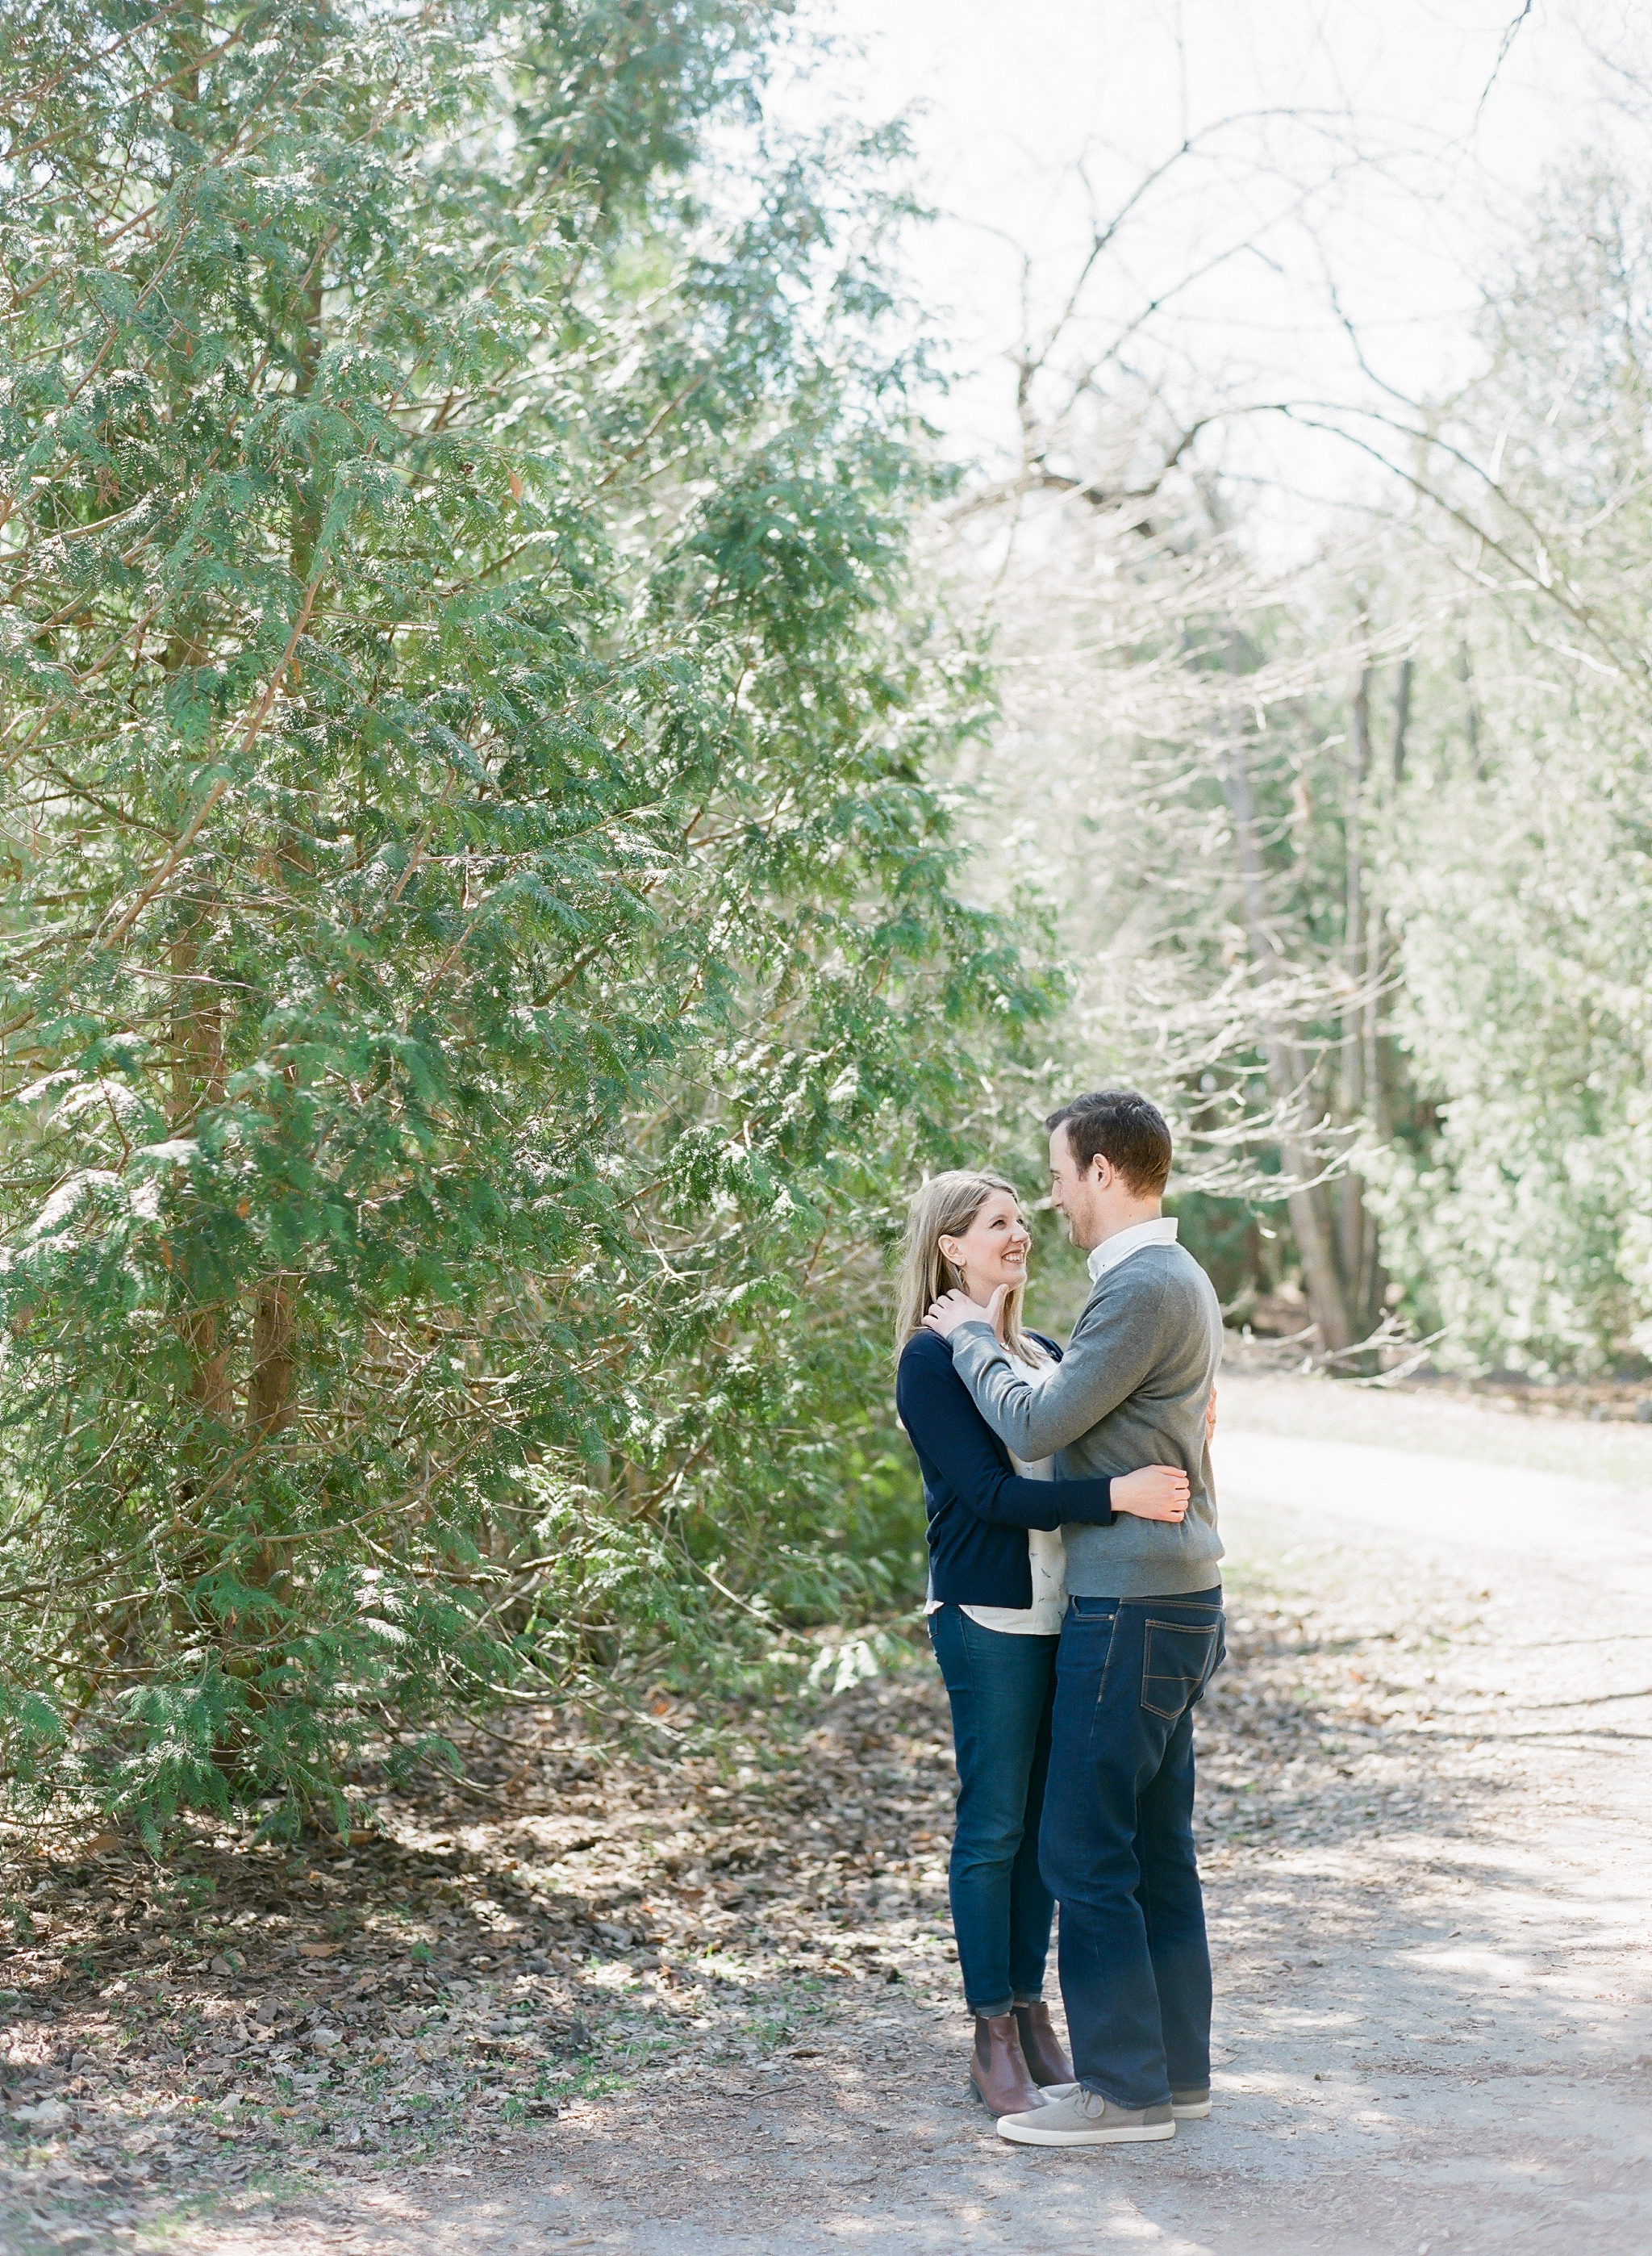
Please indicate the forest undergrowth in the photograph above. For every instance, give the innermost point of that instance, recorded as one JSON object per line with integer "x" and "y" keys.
{"x": 252, "y": 2024}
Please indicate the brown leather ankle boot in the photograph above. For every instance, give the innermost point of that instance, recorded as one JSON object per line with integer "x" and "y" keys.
{"x": 998, "y": 2071}
{"x": 1041, "y": 2047}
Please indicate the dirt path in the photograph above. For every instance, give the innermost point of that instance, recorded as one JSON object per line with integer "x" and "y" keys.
{"x": 1426, "y": 1801}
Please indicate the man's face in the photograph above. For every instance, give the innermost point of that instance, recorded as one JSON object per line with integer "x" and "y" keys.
{"x": 1075, "y": 1195}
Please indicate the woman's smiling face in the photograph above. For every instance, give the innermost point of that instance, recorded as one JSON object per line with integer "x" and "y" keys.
{"x": 993, "y": 1250}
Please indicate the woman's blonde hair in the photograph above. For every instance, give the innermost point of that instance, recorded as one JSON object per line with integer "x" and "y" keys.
{"x": 944, "y": 1208}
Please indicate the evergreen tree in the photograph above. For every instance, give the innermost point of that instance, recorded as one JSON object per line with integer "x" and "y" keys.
{"x": 480, "y": 955}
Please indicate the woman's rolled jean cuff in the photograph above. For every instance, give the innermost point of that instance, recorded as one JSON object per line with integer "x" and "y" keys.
{"x": 989, "y": 2012}
{"x": 1036, "y": 1999}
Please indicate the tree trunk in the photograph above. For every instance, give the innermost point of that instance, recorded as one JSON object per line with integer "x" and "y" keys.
{"x": 306, "y": 507}
{"x": 198, "y": 1080}
{"x": 1351, "y": 1216}
{"x": 270, "y": 1394}
{"x": 1308, "y": 1205}
{"x": 1401, "y": 720}
{"x": 1466, "y": 675}
{"x": 271, "y": 1386}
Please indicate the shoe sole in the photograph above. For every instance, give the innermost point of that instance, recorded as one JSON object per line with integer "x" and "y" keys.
{"x": 1121, "y": 2134}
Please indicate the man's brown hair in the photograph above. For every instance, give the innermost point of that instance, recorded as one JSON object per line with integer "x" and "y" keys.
{"x": 1126, "y": 1129}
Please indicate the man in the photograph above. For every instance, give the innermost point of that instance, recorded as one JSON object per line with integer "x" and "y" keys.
{"x": 1142, "y": 1634}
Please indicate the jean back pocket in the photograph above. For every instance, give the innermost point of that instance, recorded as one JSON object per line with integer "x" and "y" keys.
{"x": 1178, "y": 1661}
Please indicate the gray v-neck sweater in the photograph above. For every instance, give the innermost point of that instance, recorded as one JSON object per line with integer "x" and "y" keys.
{"x": 1130, "y": 1391}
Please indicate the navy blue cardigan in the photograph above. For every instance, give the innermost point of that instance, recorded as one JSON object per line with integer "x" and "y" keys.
{"x": 979, "y": 1507}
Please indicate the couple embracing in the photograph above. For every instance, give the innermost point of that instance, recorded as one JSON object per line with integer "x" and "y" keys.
{"x": 1076, "y": 1611}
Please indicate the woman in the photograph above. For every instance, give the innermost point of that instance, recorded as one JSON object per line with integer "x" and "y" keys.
{"x": 997, "y": 1596}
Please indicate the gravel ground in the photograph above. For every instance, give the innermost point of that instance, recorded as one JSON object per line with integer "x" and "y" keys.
{"x": 683, "y": 2005}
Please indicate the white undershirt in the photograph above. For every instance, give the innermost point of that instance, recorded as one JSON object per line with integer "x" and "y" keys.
{"x": 1046, "y": 1554}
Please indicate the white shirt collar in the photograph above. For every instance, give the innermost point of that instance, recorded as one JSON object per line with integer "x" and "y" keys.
{"x": 1123, "y": 1243}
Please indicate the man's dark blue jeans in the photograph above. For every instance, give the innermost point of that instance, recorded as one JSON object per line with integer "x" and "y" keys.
{"x": 1000, "y": 1686}
{"x": 1117, "y": 1842}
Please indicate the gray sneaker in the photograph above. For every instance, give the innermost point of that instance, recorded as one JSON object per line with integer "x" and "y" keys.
{"x": 1084, "y": 2119}
{"x": 1186, "y": 2106}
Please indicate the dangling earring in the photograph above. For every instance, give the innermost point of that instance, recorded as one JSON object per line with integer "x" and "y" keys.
{"x": 962, "y": 1276}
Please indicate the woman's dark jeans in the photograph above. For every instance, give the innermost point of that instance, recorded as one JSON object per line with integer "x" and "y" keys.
{"x": 1001, "y": 1688}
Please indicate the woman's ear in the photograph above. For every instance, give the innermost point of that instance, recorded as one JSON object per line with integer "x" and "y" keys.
{"x": 947, "y": 1248}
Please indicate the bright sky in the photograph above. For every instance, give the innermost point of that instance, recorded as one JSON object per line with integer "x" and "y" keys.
{"x": 1370, "y": 155}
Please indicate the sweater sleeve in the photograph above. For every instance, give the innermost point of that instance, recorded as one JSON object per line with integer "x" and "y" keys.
{"x": 1114, "y": 1346}
{"x": 952, "y": 1441}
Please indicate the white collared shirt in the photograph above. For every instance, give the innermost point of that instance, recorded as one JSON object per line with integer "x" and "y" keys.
{"x": 1123, "y": 1243}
